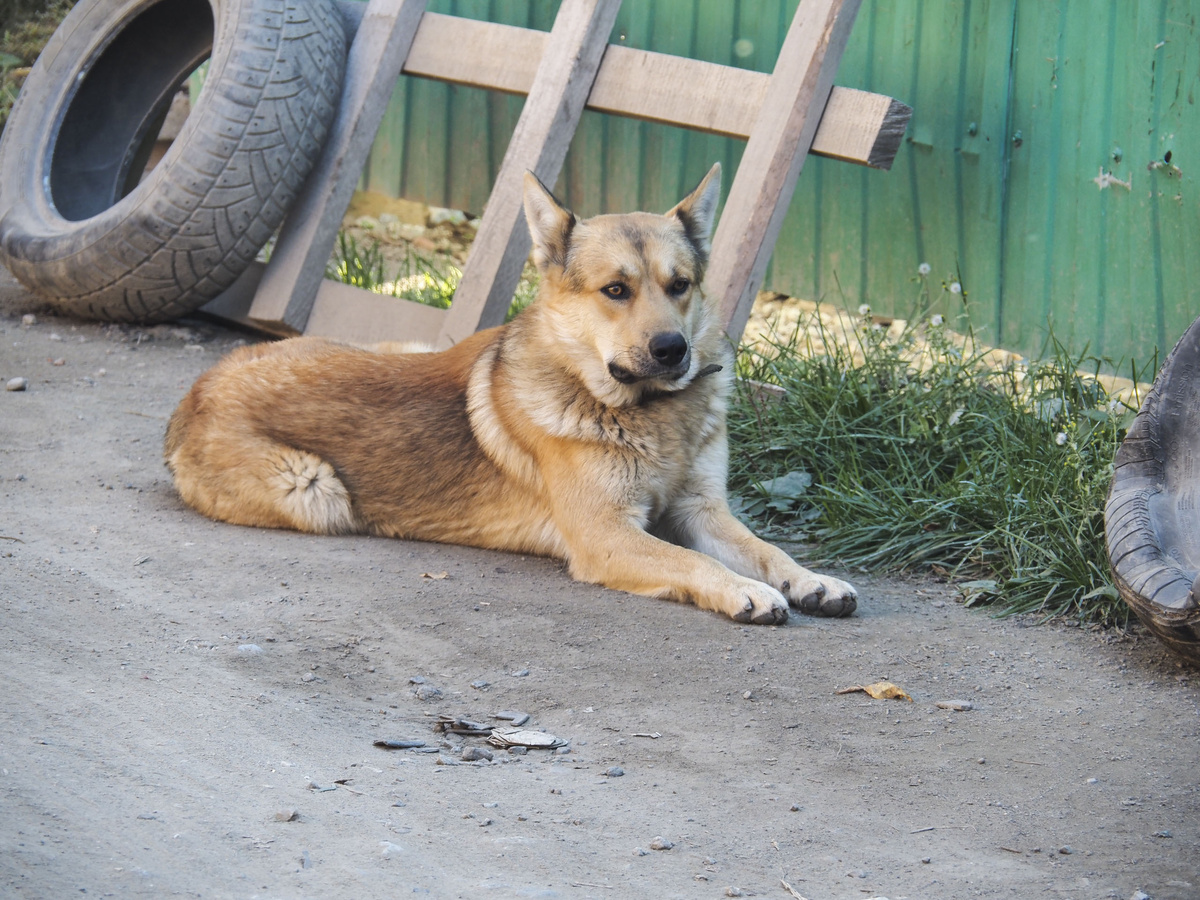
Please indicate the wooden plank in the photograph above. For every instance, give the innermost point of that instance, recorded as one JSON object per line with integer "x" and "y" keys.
{"x": 539, "y": 144}
{"x": 345, "y": 313}
{"x": 857, "y": 126}
{"x": 289, "y": 286}
{"x": 782, "y": 136}
{"x": 340, "y": 312}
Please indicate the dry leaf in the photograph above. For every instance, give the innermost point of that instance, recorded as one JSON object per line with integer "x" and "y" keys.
{"x": 880, "y": 690}
{"x": 435, "y": 576}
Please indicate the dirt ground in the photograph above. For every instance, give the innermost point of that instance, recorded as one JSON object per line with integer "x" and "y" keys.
{"x": 175, "y": 689}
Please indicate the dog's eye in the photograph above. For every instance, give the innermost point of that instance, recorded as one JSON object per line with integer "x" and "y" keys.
{"x": 679, "y": 286}
{"x": 616, "y": 290}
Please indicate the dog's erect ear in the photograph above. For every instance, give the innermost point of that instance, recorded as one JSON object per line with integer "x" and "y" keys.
{"x": 550, "y": 224}
{"x": 698, "y": 209}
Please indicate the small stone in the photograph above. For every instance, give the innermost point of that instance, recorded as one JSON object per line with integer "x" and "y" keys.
{"x": 926, "y": 860}
{"x": 614, "y": 772}
{"x": 563, "y": 751}
{"x": 956, "y": 705}
{"x": 517, "y": 750}
{"x": 511, "y": 715}
{"x": 492, "y": 805}
{"x": 700, "y": 877}
{"x": 471, "y": 754}
{"x": 479, "y": 684}
{"x": 1139, "y": 895}
{"x": 16, "y": 384}
{"x": 1163, "y": 834}
{"x": 58, "y": 362}
{"x": 308, "y": 677}
{"x": 981, "y": 760}
{"x": 748, "y": 695}
{"x": 305, "y": 860}
{"x": 250, "y": 649}
{"x": 732, "y": 891}
{"x": 1093, "y": 780}
{"x": 1065, "y": 850}
{"x": 640, "y": 851}
{"x": 520, "y": 673}
{"x": 287, "y": 815}
{"x": 390, "y": 850}
{"x": 661, "y": 843}
{"x": 795, "y": 807}
{"x": 417, "y": 679}
{"x": 29, "y": 319}
{"x": 321, "y": 788}
{"x": 426, "y": 692}
{"x": 485, "y": 823}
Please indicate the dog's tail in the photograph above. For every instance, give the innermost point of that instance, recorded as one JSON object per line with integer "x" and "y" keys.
{"x": 184, "y": 417}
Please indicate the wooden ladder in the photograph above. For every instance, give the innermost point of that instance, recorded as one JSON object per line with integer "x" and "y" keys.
{"x": 783, "y": 116}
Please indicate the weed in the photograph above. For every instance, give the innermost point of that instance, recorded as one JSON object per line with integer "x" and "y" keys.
{"x": 20, "y": 43}
{"x": 417, "y": 278}
{"x": 927, "y": 451}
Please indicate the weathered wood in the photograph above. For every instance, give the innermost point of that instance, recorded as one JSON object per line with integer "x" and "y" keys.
{"x": 857, "y": 126}
{"x": 339, "y": 311}
{"x": 539, "y": 144}
{"x": 289, "y": 286}
{"x": 779, "y": 143}
{"x": 346, "y": 313}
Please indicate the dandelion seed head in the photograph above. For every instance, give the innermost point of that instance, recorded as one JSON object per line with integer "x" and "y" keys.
{"x": 924, "y": 269}
{"x": 936, "y": 319}
{"x": 1060, "y": 438}
{"x": 864, "y": 309}
{"x": 956, "y": 288}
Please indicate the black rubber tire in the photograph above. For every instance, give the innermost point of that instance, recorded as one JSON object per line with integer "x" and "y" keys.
{"x": 77, "y": 229}
{"x": 1152, "y": 517}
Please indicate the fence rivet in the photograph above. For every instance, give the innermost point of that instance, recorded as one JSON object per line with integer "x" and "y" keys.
{"x": 973, "y": 129}
{"x": 1117, "y": 154}
{"x": 1017, "y": 139}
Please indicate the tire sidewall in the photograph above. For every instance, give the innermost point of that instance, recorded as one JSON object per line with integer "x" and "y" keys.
{"x": 38, "y": 113}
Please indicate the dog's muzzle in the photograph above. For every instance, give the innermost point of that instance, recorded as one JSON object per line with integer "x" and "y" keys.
{"x": 669, "y": 357}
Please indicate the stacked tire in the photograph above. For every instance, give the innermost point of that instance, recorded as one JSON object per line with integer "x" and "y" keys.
{"x": 1152, "y": 517}
{"x": 80, "y": 225}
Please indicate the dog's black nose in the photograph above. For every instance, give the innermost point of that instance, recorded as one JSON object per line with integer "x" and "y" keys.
{"x": 669, "y": 348}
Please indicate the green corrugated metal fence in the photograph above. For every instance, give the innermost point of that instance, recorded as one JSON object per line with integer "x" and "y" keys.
{"x": 1021, "y": 110}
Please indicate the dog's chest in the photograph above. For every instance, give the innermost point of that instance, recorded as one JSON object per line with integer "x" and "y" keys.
{"x": 660, "y": 445}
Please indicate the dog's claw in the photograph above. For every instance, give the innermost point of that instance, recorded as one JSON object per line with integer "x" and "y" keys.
{"x": 820, "y": 602}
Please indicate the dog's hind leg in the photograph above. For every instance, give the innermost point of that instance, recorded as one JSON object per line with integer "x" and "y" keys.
{"x": 262, "y": 483}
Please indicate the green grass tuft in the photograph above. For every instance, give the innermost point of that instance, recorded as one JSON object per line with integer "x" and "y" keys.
{"x": 927, "y": 454}
{"x": 417, "y": 278}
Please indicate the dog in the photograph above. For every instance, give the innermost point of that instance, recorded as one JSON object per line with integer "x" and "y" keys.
{"x": 590, "y": 428}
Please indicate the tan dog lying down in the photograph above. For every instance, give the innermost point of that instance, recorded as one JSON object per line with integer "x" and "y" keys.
{"x": 591, "y": 428}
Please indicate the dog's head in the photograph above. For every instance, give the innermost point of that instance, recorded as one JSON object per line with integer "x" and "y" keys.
{"x": 623, "y": 292}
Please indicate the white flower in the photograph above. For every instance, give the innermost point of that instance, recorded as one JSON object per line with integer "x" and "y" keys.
{"x": 956, "y": 288}
{"x": 865, "y": 309}
{"x": 936, "y": 319}
{"x": 924, "y": 269}
{"x": 1060, "y": 438}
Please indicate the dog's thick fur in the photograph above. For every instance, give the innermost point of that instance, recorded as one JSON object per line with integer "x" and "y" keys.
{"x": 590, "y": 428}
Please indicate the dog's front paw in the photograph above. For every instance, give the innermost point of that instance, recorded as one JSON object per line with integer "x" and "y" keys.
{"x": 758, "y": 603}
{"x": 820, "y": 595}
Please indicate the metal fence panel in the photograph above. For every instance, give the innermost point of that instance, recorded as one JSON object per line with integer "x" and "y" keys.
{"x": 1020, "y": 109}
